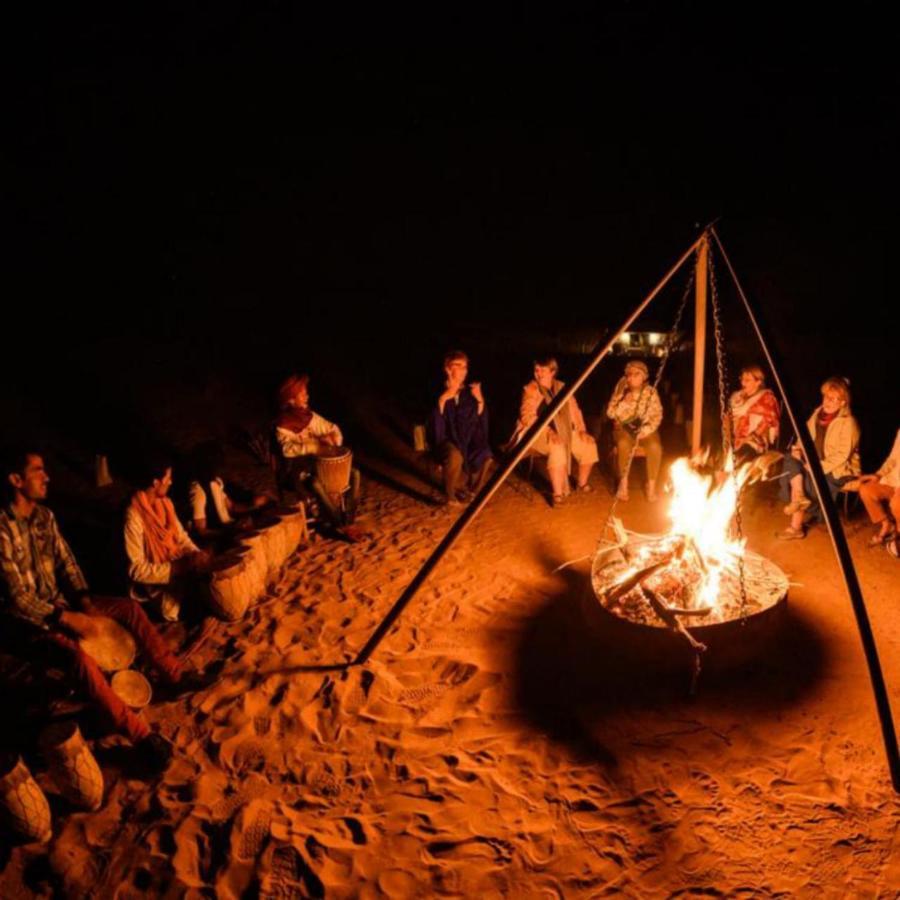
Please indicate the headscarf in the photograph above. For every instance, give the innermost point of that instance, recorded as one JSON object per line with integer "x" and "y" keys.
{"x": 640, "y": 365}
{"x": 293, "y": 418}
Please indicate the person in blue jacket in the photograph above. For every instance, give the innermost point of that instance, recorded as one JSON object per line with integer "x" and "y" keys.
{"x": 458, "y": 428}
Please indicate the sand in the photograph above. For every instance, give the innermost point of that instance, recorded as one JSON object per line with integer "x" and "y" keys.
{"x": 496, "y": 746}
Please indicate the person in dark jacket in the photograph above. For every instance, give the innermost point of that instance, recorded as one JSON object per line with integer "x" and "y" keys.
{"x": 458, "y": 426}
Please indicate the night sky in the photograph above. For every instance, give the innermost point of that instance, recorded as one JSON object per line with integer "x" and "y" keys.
{"x": 298, "y": 165}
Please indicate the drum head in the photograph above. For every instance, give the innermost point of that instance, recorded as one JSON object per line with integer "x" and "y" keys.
{"x": 132, "y": 688}
{"x": 112, "y": 648}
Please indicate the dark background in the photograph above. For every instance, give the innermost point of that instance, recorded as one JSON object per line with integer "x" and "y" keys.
{"x": 213, "y": 193}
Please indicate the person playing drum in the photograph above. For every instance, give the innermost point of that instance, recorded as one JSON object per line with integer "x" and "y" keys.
{"x": 303, "y": 436}
{"x": 45, "y": 626}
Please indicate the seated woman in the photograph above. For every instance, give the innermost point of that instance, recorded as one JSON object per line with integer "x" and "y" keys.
{"x": 880, "y": 494}
{"x": 836, "y": 435}
{"x": 212, "y": 509}
{"x": 637, "y": 413}
{"x": 564, "y": 439}
{"x": 755, "y": 416}
{"x": 304, "y": 435}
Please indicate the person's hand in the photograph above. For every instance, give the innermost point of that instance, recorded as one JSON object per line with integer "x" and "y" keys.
{"x": 201, "y": 561}
{"x": 797, "y": 451}
{"x": 449, "y": 394}
{"x": 865, "y": 479}
{"x": 260, "y": 500}
{"x": 475, "y": 388}
{"x": 86, "y": 606}
{"x": 82, "y": 624}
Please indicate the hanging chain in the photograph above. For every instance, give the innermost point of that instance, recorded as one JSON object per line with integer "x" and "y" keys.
{"x": 727, "y": 428}
{"x": 667, "y": 350}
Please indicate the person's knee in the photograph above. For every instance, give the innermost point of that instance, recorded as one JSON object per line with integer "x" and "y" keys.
{"x": 556, "y": 458}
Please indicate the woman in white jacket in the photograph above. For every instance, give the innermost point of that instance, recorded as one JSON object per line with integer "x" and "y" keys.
{"x": 836, "y": 436}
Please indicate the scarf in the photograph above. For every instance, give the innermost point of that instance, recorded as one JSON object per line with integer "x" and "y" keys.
{"x": 825, "y": 419}
{"x": 160, "y": 526}
{"x": 293, "y": 418}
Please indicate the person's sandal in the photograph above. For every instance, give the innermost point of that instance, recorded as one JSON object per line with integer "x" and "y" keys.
{"x": 585, "y": 488}
{"x": 893, "y": 547}
{"x": 558, "y": 499}
{"x": 878, "y": 539}
{"x": 791, "y": 534}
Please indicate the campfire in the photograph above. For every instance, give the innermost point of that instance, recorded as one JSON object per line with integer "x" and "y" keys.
{"x": 699, "y": 573}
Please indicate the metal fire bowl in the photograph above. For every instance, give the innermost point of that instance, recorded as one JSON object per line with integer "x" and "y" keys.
{"x": 729, "y": 644}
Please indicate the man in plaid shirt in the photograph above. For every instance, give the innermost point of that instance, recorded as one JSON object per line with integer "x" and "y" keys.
{"x": 39, "y": 622}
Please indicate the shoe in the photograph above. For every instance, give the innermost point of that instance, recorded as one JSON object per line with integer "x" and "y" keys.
{"x": 791, "y": 534}
{"x": 893, "y": 547}
{"x": 796, "y": 506}
{"x": 558, "y": 499}
{"x": 585, "y": 488}
{"x": 878, "y": 539}
{"x": 622, "y": 492}
{"x": 155, "y": 751}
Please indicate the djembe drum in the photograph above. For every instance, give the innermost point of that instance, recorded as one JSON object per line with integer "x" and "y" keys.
{"x": 333, "y": 468}
{"x": 228, "y": 589}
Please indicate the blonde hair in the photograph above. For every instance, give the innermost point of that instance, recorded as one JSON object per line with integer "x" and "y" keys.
{"x": 838, "y": 385}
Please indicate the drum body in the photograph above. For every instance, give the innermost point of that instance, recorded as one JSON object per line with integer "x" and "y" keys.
{"x": 229, "y": 588}
{"x": 333, "y": 469}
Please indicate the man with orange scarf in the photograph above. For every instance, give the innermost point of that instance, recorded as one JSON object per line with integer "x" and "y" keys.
{"x": 162, "y": 560}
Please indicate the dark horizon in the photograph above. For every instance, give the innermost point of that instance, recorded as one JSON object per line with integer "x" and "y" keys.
{"x": 196, "y": 177}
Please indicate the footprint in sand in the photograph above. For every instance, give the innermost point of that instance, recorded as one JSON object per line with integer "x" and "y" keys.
{"x": 252, "y": 837}
{"x": 291, "y": 876}
{"x": 478, "y": 846}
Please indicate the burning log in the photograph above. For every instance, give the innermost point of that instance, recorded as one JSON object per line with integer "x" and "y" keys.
{"x": 633, "y": 581}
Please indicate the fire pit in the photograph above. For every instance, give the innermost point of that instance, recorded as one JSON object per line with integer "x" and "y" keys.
{"x": 694, "y": 590}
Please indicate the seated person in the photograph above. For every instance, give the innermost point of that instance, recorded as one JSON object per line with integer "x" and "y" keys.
{"x": 755, "y": 416}
{"x": 564, "y": 438}
{"x": 836, "y": 436}
{"x": 636, "y": 411}
{"x": 458, "y": 430}
{"x": 212, "y": 509}
{"x": 880, "y": 494}
{"x": 164, "y": 565}
{"x": 304, "y": 435}
{"x": 38, "y": 622}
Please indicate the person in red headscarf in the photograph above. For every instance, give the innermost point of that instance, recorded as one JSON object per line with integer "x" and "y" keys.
{"x": 303, "y": 435}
